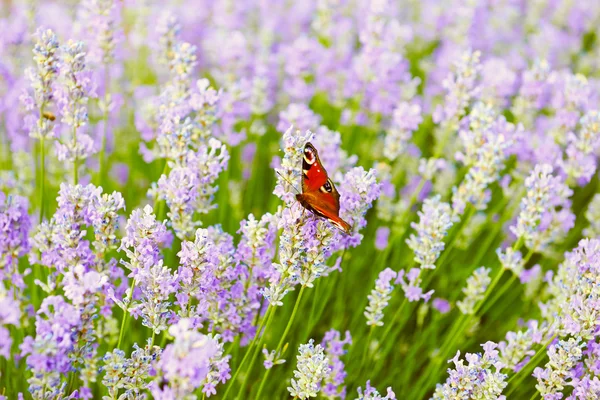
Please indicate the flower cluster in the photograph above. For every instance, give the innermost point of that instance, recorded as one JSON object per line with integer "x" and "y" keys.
{"x": 480, "y": 378}
{"x": 474, "y": 291}
{"x": 334, "y": 350}
{"x": 312, "y": 368}
{"x": 545, "y": 209}
{"x": 75, "y": 145}
{"x": 184, "y": 364}
{"x": 434, "y": 222}
{"x": 370, "y": 393}
{"x": 379, "y": 297}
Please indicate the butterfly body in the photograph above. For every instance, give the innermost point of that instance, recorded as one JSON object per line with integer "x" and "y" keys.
{"x": 319, "y": 194}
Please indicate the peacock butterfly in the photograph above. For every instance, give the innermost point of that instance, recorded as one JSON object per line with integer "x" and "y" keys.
{"x": 319, "y": 194}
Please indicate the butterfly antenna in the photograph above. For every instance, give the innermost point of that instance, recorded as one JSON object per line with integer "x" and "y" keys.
{"x": 288, "y": 181}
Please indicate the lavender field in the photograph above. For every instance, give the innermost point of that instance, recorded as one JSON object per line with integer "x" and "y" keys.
{"x": 332, "y": 199}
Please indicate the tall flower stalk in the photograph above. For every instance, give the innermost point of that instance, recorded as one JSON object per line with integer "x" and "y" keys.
{"x": 42, "y": 79}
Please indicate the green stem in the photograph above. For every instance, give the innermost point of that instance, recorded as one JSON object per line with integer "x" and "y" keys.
{"x": 281, "y": 341}
{"x": 102, "y": 155}
{"x": 392, "y": 323}
{"x": 367, "y": 345}
{"x": 533, "y": 361}
{"x": 253, "y": 360}
{"x": 534, "y": 395}
{"x": 291, "y": 320}
{"x": 75, "y": 161}
{"x": 250, "y": 348}
{"x": 499, "y": 294}
{"x": 125, "y": 313}
{"x": 42, "y": 177}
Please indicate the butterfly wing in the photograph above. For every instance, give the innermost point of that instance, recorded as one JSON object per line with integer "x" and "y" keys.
{"x": 319, "y": 194}
{"x": 314, "y": 174}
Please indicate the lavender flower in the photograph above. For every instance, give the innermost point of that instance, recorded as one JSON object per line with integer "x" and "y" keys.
{"x": 574, "y": 291}
{"x": 190, "y": 188}
{"x": 219, "y": 368}
{"x": 42, "y": 79}
{"x": 480, "y": 378}
{"x": 475, "y": 290}
{"x": 379, "y": 297}
{"x": 461, "y": 86}
{"x": 580, "y": 164}
{"x": 411, "y": 285}
{"x": 539, "y": 223}
{"x": 291, "y": 165}
{"x": 434, "y": 222}
{"x": 485, "y": 150}
{"x": 516, "y": 350}
{"x": 334, "y": 350}
{"x": 184, "y": 364}
{"x": 291, "y": 256}
{"x": 142, "y": 245}
{"x": 15, "y": 224}
{"x": 442, "y": 305}
{"x": 563, "y": 356}
{"x": 72, "y": 100}
{"x": 405, "y": 120}
{"x": 371, "y": 393}
{"x": 130, "y": 374}
{"x": 382, "y": 237}
{"x": 358, "y": 190}
{"x": 511, "y": 260}
{"x": 101, "y": 19}
{"x": 312, "y": 368}
{"x": 48, "y": 354}
{"x": 10, "y": 314}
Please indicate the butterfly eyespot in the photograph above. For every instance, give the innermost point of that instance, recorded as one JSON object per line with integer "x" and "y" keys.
{"x": 327, "y": 188}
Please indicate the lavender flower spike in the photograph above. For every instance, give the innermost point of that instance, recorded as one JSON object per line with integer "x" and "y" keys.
{"x": 544, "y": 193}
{"x": 563, "y": 356}
{"x": 475, "y": 290}
{"x": 42, "y": 78}
{"x": 434, "y": 222}
{"x": 371, "y": 393}
{"x": 479, "y": 379}
{"x": 379, "y": 297}
{"x": 184, "y": 364}
{"x": 312, "y": 368}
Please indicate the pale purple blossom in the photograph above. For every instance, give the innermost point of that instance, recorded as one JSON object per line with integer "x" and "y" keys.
{"x": 379, "y": 297}
{"x": 311, "y": 370}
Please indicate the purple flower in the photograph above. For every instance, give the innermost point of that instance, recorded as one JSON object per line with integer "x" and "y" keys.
{"x": 299, "y": 116}
{"x": 184, "y": 364}
{"x": 130, "y": 374}
{"x": 371, "y": 393}
{"x": 42, "y": 79}
{"x": 48, "y": 354}
{"x": 563, "y": 356}
{"x": 442, "y": 305}
{"x": 190, "y": 188}
{"x": 379, "y": 297}
{"x": 15, "y": 224}
{"x": 477, "y": 285}
{"x": 411, "y": 285}
{"x": 481, "y": 377}
{"x": 434, "y": 222}
{"x": 544, "y": 210}
{"x": 311, "y": 370}
{"x": 74, "y": 144}
{"x": 381, "y": 237}
{"x": 405, "y": 121}
{"x": 334, "y": 349}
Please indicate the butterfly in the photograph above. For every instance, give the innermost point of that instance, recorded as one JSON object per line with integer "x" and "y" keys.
{"x": 319, "y": 194}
